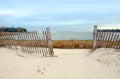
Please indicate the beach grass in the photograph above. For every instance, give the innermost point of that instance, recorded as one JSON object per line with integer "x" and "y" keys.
{"x": 68, "y": 44}
{"x": 65, "y": 44}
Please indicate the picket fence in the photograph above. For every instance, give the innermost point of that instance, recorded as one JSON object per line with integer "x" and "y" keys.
{"x": 107, "y": 38}
{"x": 30, "y": 42}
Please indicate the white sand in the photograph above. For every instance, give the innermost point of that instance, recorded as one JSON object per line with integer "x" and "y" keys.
{"x": 69, "y": 64}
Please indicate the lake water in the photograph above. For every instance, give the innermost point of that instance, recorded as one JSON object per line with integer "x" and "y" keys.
{"x": 72, "y": 36}
{"x": 64, "y": 36}
{"x": 70, "y": 32}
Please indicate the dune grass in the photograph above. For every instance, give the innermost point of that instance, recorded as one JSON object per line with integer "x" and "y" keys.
{"x": 65, "y": 44}
{"x": 72, "y": 44}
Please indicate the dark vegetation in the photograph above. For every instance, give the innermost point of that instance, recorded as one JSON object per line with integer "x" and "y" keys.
{"x": 12, "y": 29}
{"x": 113, "y": 30}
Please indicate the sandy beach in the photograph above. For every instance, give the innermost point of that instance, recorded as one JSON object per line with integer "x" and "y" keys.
{"x": 66, "y": 64}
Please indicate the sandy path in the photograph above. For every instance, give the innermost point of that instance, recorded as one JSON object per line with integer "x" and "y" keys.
{"x": 69, "y": 64}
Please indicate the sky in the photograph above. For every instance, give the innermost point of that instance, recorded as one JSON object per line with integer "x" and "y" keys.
{"x": 60, "y": 14}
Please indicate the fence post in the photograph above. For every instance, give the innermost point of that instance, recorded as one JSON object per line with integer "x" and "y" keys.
{"x": 50, "y": 42}
{"x": 94, "y": 37}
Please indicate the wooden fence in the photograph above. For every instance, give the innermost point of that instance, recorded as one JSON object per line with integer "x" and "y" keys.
{"x": 30, "y": 42}
{"x": 106, "y": 38}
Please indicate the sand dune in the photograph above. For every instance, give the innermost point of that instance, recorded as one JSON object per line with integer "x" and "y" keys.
{"x": 67, "y": 64}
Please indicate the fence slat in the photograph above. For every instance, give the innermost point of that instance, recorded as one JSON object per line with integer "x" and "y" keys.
{"x": 107, "y": 39}
{"x": 29, "y": 42}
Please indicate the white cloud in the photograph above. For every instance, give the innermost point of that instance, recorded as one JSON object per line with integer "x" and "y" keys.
{"x": 16, "y": 13}
{"x": 109, "y": 26}
{"x": 62, "y": 22}
{"x": 55, "y": 12}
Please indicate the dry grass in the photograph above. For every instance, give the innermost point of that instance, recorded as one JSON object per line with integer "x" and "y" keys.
{"x": 65, "y": 44}
{"x": 72, "y": 44}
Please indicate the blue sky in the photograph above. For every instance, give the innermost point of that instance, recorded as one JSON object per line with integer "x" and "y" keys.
{"x": 61, "y": 14}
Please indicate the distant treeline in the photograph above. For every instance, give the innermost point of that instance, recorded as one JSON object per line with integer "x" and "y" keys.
{"x": 113, "y": 30}
{"x": 12, "y": 29}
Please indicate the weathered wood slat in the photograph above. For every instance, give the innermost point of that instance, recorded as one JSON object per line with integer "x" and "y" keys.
{"x": 50, "y": 42}
{"x": 114, "y": 40}
{"x": 107, "y": 39}
{"x": 47, "y": 42}
{"x": 111, "y": 41}
{"x": 118, "y": 43}
{"x": 100, "y": 39}
{"x": 107, "y": 44}
{"x": 29, "y": 42}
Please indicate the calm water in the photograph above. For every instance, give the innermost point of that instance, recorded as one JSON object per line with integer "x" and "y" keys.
{"x": 72, "y": 35}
